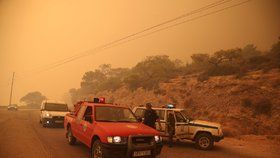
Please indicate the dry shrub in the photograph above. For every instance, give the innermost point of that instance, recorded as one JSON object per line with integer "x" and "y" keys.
{"x": 246, "y": 102}
{"x": 183, "y": 83}
{"x": 276, "y": 83}
{"x": 240, "y": 74}
{"x": 188, "y": 102}
{"x": 160, "y": 91}
{"x": 262, "y": 106}
{"x": 230, "y": 132}
{"x": 275, "y": 138}
{"x": 202, "y": 77}
{"x": 174, "y": 101}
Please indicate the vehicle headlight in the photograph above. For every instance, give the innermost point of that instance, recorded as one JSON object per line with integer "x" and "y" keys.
{"x": 48, "y": 115}
{"x": 116, "y": 140}
{"x": 158, "y": 139}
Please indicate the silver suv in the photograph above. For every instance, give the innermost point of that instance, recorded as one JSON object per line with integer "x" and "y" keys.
{"x": 204, "y": 133}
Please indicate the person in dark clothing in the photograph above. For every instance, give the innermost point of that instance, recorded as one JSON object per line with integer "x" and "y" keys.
{"x": 151, "y": 117}
{"x": 170, "y": 127}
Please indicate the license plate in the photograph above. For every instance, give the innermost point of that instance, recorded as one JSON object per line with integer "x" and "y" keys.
{"x": 59, "y": 121}
{"x": 141, "y": 153}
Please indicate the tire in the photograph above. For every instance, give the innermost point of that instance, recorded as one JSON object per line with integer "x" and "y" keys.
{"x": 204, "y": 141}
{"x": 44, "y": 124}
{"x": 70, "y": 138}
{"x": 97, "y": 150}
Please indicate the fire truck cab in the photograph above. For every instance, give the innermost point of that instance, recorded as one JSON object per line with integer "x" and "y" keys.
{"x": 111, "y": 131}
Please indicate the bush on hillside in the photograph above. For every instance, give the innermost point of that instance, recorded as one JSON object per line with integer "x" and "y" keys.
{"x": 246, "y": 102}
{"x": 203, "y": 77}
{"x": 262, "y": 106}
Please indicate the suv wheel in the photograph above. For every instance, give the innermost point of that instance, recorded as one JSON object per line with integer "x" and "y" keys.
{"x": 71, "y": 139}
{"x": 97, "y": 150}
{"x": 204, "y": 141}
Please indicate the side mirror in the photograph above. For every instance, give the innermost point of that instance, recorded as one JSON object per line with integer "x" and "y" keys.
{"x": 139, "y": 119}
{"x": 88, "y": 118}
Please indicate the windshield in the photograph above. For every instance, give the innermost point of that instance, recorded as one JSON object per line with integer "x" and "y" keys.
{"x": 185, "y": 114}
{"x": 56, "y": 107}
{"x": 114, "y": 114}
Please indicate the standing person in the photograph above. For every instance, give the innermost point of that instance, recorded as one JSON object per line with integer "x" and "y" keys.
{"x": 170, "y": 127}
{"x": 151, "y": 117}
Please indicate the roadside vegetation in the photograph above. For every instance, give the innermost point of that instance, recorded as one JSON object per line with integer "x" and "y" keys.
{"x": 153, "y": 70}
{"x": 33, "y": 99}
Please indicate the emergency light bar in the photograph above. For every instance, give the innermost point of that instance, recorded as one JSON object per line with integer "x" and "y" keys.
{"x": 169, "y": 106}
{"x": 99, "y": 100}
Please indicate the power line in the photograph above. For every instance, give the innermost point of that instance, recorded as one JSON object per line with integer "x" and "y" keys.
{"x": 128, "y": 38}
{"x": 77, "y": 56}
{"x": 189, "y": 20}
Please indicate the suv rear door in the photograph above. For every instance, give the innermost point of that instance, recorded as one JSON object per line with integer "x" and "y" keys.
{"x": 181, "y": 125}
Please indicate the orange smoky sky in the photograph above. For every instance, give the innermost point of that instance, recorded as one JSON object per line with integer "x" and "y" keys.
{"x": 36, "y": 33}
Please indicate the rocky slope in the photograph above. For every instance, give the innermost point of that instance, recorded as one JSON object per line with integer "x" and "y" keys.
{"x": 246, "y": 105}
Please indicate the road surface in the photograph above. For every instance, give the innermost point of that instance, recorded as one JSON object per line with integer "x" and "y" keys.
{"x": 21, "y": 136}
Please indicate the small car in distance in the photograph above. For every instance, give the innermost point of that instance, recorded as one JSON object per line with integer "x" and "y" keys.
{"x": 13, "y": 107}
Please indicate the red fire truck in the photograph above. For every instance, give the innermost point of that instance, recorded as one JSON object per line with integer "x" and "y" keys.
{"x": 111, "y": 131}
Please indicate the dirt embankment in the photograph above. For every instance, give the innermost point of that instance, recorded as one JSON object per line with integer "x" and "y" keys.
{"x": 246, "y": 105}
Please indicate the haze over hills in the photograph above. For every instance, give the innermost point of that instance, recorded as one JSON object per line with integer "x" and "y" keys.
{"x": 238, "y": 87}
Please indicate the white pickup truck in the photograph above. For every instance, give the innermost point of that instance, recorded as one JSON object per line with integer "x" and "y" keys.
{"x": 204, "y": 133}
{"x": 53, "y": 112}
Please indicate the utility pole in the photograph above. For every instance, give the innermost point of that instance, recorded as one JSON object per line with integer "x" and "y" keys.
{"x": 11, "y": 94}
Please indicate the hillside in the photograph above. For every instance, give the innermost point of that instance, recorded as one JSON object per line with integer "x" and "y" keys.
{"x": 247, "y": 105}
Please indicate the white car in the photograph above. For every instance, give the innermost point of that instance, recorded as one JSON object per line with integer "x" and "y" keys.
{"x": 204, "y": 133}
{"x": 13, "y": 107}
{"x": 53, "y": 112}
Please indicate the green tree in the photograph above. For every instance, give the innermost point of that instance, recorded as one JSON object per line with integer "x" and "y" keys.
{"x": 151, "y": 71}
{"x": 249, "y": 51}
{"x": 33, "y": 99}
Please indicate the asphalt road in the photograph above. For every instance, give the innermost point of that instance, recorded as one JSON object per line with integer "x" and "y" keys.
{"x": 21, "y": 136}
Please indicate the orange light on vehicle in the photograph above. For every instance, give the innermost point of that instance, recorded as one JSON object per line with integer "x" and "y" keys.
{"x": 102, "y": 100}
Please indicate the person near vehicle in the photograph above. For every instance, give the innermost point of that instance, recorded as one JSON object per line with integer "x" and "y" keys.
{"x": 170, "y": 127}
{"x": 151, "y": 117}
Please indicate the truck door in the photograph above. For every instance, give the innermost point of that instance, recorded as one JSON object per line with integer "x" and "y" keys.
{"x": 161, "y": 114}
{"x": 181, "y": 125}
{"x": 77, "y": 129}
{"x": 87, "y": 126}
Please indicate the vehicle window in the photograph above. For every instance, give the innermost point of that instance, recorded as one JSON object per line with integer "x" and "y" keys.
{"x": 179, "y": 117}
{"x": 114, "y": 114}
{"x": 185, "y": 114}
{"x": 140, "y": 113}
{"x": 88, "y": 114}
{"x": 56, "y": 107}
{"x": 160, "y": 114}
{"x": 81, "y": 112}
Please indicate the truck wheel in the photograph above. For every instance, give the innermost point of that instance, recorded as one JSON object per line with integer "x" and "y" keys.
{"x": 44, "y": 124}
{"x": 71, "y": 139}
{"x": 97, "y": 150}
{"x": 204, "y": 141}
